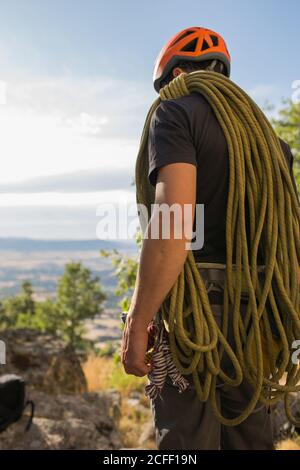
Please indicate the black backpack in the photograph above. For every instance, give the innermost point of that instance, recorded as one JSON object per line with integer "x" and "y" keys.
{"x": 13, "y": 401}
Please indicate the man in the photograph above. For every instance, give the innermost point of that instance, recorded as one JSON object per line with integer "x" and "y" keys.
{"x": 188, "y": 165}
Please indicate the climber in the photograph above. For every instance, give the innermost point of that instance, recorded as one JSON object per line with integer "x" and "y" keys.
{"x": 188, "y": 163}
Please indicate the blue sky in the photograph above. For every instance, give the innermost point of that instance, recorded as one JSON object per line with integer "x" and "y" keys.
{"x": 77, "y": 77}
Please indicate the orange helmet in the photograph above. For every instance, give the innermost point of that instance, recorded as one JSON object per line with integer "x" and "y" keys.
{"x": 196, "y": 44}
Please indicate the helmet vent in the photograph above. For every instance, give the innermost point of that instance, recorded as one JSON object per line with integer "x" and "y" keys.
{"x": 205, "y": 45}
{"x": 184, "y": 35}
{"x": 215, "y": 40}
{"x": 191, "y": 46}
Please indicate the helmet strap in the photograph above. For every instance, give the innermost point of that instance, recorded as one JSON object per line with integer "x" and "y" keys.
{"x": 214, "y": 63}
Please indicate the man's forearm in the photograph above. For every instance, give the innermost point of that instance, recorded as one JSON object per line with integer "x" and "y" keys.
{"x": 160, "y": 264}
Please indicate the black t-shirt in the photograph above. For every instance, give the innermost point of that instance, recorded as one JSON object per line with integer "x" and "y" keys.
{"x": 186, "y": 130}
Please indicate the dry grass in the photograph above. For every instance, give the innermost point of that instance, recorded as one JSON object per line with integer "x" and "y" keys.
{"x": 97, "y": 370}
{"x": 289, "y": 444}
{"x": 131, "y": 426}
{"x": 104, "y": 373}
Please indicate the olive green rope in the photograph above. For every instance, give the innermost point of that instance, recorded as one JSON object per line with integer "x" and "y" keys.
{"x": 258, "y": 178}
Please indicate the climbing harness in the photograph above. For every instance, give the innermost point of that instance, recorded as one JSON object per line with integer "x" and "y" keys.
{"x": 263, "y": 336}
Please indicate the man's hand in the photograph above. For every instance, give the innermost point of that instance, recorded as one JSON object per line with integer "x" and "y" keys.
{"x": 134, "y": 348}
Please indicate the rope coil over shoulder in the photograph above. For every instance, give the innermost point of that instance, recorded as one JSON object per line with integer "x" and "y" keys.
{"x": 259, "y": 177}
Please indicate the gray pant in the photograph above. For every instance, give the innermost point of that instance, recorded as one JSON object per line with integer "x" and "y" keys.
{"x": 183, "y": 422}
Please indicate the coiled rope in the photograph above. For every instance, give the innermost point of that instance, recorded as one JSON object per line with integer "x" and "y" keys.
{"x": 259, "y": 178}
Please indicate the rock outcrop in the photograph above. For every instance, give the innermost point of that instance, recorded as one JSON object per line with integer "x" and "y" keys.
{"x": 65, "y": 422}
{"x": 45, "y": 362}
{"x": 66, "y": 415}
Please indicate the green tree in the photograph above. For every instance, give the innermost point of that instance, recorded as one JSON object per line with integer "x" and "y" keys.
{"x": 287, "y": 126}
{"x": 79, "y": 298}
{"x": 126, "y": 271}
{"x": 19, "y": 309}
{"x": 26, "y": 298}
{"x": 46, "y": 318}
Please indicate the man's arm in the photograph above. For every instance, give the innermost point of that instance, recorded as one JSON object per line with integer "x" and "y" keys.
{"x": 160, "y": 264}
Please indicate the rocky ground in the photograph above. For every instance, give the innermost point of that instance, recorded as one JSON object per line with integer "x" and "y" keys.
{"x": 67, "y": 416}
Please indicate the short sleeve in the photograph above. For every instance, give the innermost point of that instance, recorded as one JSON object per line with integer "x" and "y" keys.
{"x": 170, "y": 139}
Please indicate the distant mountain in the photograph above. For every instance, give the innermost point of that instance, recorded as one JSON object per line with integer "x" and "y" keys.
{"x": 29, "y": 244}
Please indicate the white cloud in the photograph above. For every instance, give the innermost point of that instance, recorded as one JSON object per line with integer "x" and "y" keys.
{"x": 64, "y": 132}
{"x": 264, "y": 93}
{"x": 116, "y": 103}
{"x": 55, "y": 199}
{"x": 83, "y": 181}
{"x": 86, "y": 124}
{"x": 63, "y": 125}
{"x": 33, "y": 146}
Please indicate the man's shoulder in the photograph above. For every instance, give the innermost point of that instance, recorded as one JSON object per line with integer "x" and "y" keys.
{"x": 184, "y": 107}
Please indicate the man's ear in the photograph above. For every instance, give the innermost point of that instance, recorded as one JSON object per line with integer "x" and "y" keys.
{"x": 177, "y": 71}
